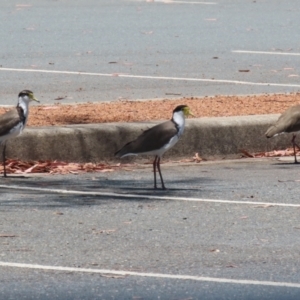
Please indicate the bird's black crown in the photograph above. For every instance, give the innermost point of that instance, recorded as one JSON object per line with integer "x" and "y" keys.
{"x": 25, "y": 93}
{"x": 179, "y": 108}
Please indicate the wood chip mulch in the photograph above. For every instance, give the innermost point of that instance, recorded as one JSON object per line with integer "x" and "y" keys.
{"x": 130, "y": 111}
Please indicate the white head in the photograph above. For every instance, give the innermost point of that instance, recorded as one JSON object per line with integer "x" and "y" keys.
{"x": 179, "y": 114}
{"x": 25, "y": 97}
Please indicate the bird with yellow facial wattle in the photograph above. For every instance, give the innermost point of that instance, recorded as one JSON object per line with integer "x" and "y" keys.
{"x": 288, "y": 122}
{"x": 158, "y": 139}
{"x": 14, "y": 121}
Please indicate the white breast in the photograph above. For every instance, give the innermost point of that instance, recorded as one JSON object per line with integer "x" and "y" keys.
{"x": 178, "y": 118}
{"x": 15, "y": 131}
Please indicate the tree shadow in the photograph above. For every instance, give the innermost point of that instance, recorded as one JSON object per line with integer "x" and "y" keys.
{"x": 286, "y": 164}
{"x": 112, "y": 191}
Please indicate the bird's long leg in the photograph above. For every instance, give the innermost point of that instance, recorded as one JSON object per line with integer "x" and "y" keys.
{"x": 154, "y": 171}
{"x": 294, "y": 138}
{"x": 158, "y": 167}
{"x": 294, "y": 146}
{"x": 4, "y": 159}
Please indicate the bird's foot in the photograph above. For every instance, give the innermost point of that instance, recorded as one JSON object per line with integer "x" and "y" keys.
{"x": 163, "y": 187}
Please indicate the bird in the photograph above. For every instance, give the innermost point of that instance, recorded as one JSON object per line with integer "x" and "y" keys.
{"x": 14, "y": 121}
{"x": 288, "y": 122}
{"x": 158, "y": 139}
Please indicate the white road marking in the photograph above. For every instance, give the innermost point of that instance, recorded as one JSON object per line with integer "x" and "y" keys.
{"x": 266, "y": 52}
{"x": 153, "y": 275}
{"x": 183, "y": 2}
{"x": 139, "y": 196}
{"x": 153, "y": 77}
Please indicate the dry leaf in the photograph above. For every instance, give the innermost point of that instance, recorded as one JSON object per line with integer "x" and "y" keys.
{"x": 113, "y": 276}
{"x": 231, "y": 266}
{"x": 214, "y": 250}
{"x": 54, "y": 167}
{"x": 147, "y": 32}
{"x": 277, "y": 153}
{"x": 197, "y": 158}
{"x": 5, "y": 235}
{"x": 245, "y": 152}
{"x": 105, "y": 170}
{"x": 107, "y": 231}
{"x": 264, "y": 240}
{"x": 20, "y": 249}
{"x": 30, "y": 170}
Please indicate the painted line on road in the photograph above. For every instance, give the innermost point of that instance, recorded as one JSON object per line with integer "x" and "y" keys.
{"x": 183, "y": 2}
{"x": 152, "y": 77}
{"x": 152, "y": 275}
{"x": 265, "y": 52}
{"x": 139, "y": 196}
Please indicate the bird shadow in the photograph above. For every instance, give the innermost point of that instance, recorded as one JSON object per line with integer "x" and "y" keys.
{"x": 167, "y": 189}
{"x": 287, "y": 164}
{"x": 52, "y": 199}
{"x": 9, "y": 177}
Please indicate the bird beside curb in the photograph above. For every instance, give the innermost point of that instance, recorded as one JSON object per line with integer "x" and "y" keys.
{"x": 14, "y": 121}
{"x": 288, "y": 122}
{"x": 158, "y": 139}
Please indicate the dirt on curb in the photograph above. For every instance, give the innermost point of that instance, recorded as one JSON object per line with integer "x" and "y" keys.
{"x": 131, "y": 111}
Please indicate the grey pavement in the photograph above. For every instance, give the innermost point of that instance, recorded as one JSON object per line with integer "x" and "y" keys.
{"x": 41, "y": 285}
{"x": 235, "y": 241}
{"x": 144, "y": 38}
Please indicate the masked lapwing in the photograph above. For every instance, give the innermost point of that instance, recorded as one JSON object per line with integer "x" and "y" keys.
{"x": 158, "y": 139}
{"x": 13, "y": 122}
{"x": 288, "y": 122}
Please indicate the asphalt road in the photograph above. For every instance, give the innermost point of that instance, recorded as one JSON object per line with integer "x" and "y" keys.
{"x": 243, "y": 224}
{"x": 237, "y": 239}
{"x": 180, "y": 48}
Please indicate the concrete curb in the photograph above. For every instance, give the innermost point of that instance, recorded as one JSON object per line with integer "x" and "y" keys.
{"x": 210, "y": 137}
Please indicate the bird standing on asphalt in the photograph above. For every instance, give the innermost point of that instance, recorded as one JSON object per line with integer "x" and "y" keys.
{"x": 288, "y": 122}
{"x": 14, "y": 121}
{"x": 158, "y": 139}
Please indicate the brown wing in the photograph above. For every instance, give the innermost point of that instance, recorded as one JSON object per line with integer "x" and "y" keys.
{"x": 150, "y": 140}
{"x": 289, "y": 121}
{"x": 8, "y": 121}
